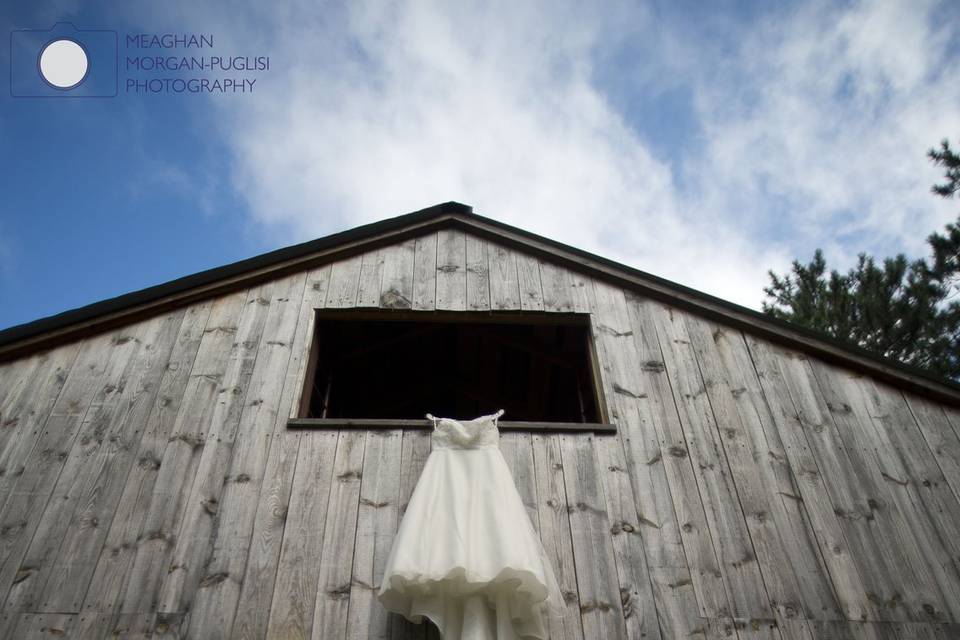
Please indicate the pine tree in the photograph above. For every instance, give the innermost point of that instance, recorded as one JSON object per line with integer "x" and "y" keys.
{"x": 901, "y": 309}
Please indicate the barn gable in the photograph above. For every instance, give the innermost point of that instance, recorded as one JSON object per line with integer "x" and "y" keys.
{"x": 150, "y": 484}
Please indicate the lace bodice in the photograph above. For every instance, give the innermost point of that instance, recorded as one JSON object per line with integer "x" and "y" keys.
{"x": 465, "y": 434}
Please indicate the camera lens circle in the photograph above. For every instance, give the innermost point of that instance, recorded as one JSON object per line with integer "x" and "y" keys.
{"x": 63, "y": 63}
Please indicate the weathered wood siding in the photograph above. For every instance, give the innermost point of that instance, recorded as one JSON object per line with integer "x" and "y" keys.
{"x": 149, "y": 486}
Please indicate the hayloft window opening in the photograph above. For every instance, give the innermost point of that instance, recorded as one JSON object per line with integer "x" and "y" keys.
{"x": 396, "y": 366}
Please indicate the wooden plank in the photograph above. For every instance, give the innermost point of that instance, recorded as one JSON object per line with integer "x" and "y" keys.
{"x": 660, "y": 463}
{"x": 115, "y": 561}
{"x": 101, "y": 469}
{"x": 336, "y": 566}
{"x": 528, "y": 274}
{"x": 371, "y": 278}
{"x": 795, "y": 533}
{"x": 677, "y": 603}
{"x": 344, "y": 283}
{"x": 415, "y": 451}
{"x": 257, "y": 593}
{"x": 27, "y": 407}
{"x": 801, "y": 482}
{"x": 554, "y": 528}
{"x": 757, "y": 629}
{"x": 43, "y": 626}
{"x": 891, "y": 515}
{"x": 396, "y": 287}
{"x": 478, "y": 274}
{"x": 209, "y": 468}
{"x": 212, "y": 397}
{"x": 738, "y": 558}
{"x": 731, "y": 389}
{"x": 35, "y": 500}
{"x": 558, "y": 288}
{"x": 451, "y": 270}
{"x": 940, "y": 437}
{"x": 295, "y": 588}
{"x": 504, "y": 280}
{"x": 849, "y": 488}
{"x": 889, "y": 436}
{"x": 216, "y": 594}
{"x": 425, "y": 273}
{"x": 617, "y": 349}
{"x": 376, "y": 527}
{"x": 600, "y": 607}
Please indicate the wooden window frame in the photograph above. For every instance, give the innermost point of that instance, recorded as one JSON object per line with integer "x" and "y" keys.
{"x": 308, "y": 366}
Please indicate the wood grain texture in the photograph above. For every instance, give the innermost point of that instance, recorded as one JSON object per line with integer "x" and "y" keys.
{"x": 150, "y": 485}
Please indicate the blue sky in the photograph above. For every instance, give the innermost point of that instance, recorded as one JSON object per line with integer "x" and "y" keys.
{"x": 702, "y": 145}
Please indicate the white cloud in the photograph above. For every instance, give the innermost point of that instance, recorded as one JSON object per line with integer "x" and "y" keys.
{"x": 814, "y": 125}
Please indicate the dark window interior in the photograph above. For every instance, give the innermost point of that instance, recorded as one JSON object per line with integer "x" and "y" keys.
{"x": 404, "y": 369}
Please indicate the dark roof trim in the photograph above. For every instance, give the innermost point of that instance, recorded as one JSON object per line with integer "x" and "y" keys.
{"x": 68, "y": 325}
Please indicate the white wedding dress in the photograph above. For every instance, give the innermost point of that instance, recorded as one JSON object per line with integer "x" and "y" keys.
{"x": 466, "y": 555}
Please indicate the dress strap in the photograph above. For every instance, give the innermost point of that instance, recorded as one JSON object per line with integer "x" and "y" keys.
{"x": 497, "y": 415}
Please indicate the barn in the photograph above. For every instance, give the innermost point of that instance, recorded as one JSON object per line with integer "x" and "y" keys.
{"x": 229, "y": 455}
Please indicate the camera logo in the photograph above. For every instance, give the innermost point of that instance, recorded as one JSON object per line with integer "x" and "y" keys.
{"x": 63, "y": 62}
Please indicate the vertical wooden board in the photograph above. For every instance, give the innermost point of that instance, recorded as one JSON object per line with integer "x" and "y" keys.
{"x": 478, "y": 275}
{"x": 798, "y": 467}
{"x": 36, "y": 502}
{"x": 636, "y": 592}
{"x": 517, "y": 452}
{"x": 850, "y": 488}
{"x": 940, "y": 438}
{"x": 214, "y": 605}
{"x": 757, "y": 629}
{"x": 451, "y": 270}
{"x": 425, "y": 273}
{"x": 24, "y": 409}
{"x": 664, "y": 458}
{"x": 677, "y": 605}
{"x": 257, "y": 592}
{"x": 295, "y": 588}
{"x": 371, "y": 278}
{"x": 635, "y": 405}
{"x": 600, "y": 607}
{"x": 554, "y": 530}
{"x": 105, "y": 466}
{"x": 738, "y": 559}
{"x": 75, "y": 473}
{"x": 44, "y": 626}
{"x": 376, "y": 527}
{"x": 210, "y": 407}
{"x": 344, "y": 283}
{"x": 396, "y": 287}
{"x": 745, "y": 444}
{"x": 795, "y": 630}
{"x": 890, "y": 513}
{"x": 336, "y": 556}
{"x": 415, "y": 451}
{"x": 256, "y": 585}
{"x": 911, "y": 468}
{"x": 928, "y": 527}
{"x": 558, "y": 288}
{"x": 504, "y": 281}
{"x": 617, "y": 350}
{"x": 795, "y": 534}
{"x": 528, "y": 274}
{"x": 110, "y": 576}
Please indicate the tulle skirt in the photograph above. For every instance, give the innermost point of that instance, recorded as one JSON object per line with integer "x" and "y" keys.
{"x": 466, "y": 555}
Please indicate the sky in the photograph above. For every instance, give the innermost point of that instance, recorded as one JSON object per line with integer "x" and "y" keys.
{"x": 705, "y": 143}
